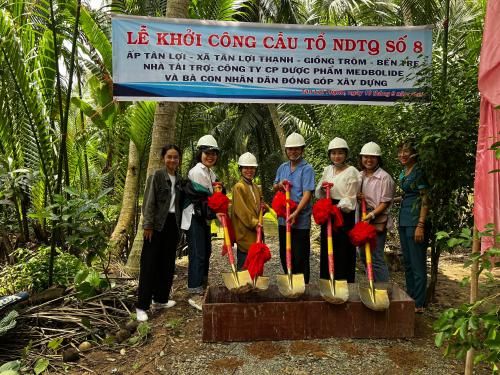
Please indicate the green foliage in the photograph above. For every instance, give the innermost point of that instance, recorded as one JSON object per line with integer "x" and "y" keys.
{"x": 88, "y": 283}
{"x": 464, "y": 238}
{"x": 174, "y": 323}
{"x": 8, "y": 322}
{"x": 460, "y": 329}
{"x": 85, "y": 219}
{"x": 475, "y": 325}
{"x": 143, "y": 330}
{"x": 31, "y": 270}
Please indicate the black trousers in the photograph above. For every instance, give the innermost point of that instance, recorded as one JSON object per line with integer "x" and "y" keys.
{"x": 301, "y": 250}
{"x": 158, "y": 265}
{"x": 344, "y": 252}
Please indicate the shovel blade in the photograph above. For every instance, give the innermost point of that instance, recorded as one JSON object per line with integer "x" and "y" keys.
{"x": 239, "y": 282}
{"x": 378, "y": 301}
{"x": 262, "y": 283}
{"x": 291, "y": 287}
{"x": 337, "y": 293}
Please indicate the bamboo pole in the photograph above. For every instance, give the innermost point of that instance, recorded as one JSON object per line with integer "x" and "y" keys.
{"x": 474, "y": 287}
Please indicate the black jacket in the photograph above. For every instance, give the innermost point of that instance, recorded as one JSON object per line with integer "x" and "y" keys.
{"x": 156, "y": 202}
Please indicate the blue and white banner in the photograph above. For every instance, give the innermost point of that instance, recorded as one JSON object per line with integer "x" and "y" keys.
{"x": 202, "y": 61}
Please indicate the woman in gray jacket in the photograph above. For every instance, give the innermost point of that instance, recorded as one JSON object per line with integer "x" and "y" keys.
{"x": 162, "y": 217}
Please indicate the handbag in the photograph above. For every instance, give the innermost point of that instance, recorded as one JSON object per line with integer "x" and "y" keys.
{"x": 380, "y": 222}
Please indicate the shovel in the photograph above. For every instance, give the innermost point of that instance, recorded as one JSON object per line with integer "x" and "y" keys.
{"x": 333, "y": 291}
{"x": 375, "y": 299}
{"x": 236, "y": 282}
{"x": 290, "y": 285}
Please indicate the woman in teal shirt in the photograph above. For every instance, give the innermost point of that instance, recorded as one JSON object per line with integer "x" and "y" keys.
{"x": 413, "y": 232}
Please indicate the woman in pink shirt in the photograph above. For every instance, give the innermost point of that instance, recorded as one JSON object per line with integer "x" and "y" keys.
{"x": 377, "y": 188}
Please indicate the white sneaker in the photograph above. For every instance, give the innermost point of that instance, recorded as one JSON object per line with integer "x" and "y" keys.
{"x": 168, "y": 305}
{"x": 142, "y": 316}
{"x": 196, "y": 302}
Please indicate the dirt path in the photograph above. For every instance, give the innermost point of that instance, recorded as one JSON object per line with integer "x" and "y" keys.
{"x": 175, "y": 345}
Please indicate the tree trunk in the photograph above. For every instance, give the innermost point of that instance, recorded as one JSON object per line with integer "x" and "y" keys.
{"x": 163, "y": 133}
{"x": 435, "y": 255}
{"x": 5, "y": 246}
{"x": 123, "y": 228}
{"x": 19, "y": 217}
{"x": 82, "y": 123}
{"x": 24, "y": 216}
{"x": 407, "y": 16}
{"x": 277, "y": 126}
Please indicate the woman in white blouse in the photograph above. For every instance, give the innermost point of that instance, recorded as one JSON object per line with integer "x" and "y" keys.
{"x": 346, "y": 183}
{"x": 196, "y": 218}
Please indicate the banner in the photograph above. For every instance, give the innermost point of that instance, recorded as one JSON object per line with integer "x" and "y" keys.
{"x": 192, "y": 60}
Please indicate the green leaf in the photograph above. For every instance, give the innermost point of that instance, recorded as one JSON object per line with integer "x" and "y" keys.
{"x": 452, "y": 242}
{"x": 12, "y": 365}
{"x": 463, "y": 330}
{"x": 81, "y": 276}
{"x": 490, "y": 276}
{"x": 133, "y": 340}
{"x": 41, "y": 365}
{"x": 173, "y": 323}
{"x": 85, "y": 290}
{"x": 478, "y": 358}
{"x": 474, "y": 323}
{"x": 9, "y": 372}
{"x": 466, "y": 233}
{"x": 89, "y": 111}
{"x": 55, "y": 344}
{"x": 441, "y": 235}
{"x": 465, "y": 281}
{"x": 493, "y": 344}
{"x": 143, "y": 329}
{"x": 439, "y": 339}
{"x": 494, "y": 251}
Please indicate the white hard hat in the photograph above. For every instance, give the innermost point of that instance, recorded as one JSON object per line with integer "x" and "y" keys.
{"x": 247, "y": 160}
{"x": 208, "y": 141}
{"x": 295, "y": 140}
{"x": 371, "y": 148}
{"x": 337, "y": 143}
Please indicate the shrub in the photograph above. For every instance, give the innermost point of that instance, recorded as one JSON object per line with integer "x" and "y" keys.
{"x": 31, "y": 271}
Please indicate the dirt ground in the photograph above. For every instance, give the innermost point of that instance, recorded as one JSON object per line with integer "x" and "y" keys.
{"x": 175, "y": 345}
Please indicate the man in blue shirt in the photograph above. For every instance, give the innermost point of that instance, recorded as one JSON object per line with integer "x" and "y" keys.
{"x": 300, "y": 174}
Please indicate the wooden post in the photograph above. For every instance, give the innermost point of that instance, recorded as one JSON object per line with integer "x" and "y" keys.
{"x": 474, "y": 278}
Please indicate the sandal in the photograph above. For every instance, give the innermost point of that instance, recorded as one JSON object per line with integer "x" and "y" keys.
{"x": 419, "y": 310}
